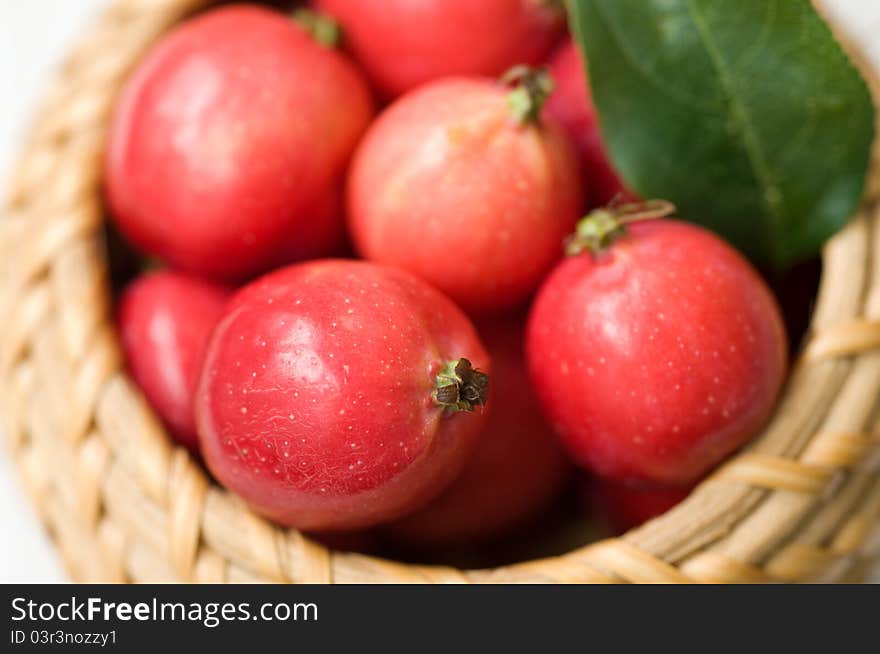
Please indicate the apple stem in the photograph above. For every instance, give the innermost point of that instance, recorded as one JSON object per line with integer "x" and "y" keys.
{"x": 601, "y": 227}
{"x": 531, "y": 88}
{"x": 321, "y": 27}
{"x": 459, "y": 387}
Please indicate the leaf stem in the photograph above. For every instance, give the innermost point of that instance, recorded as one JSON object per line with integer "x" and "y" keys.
{"x": 320, "y": 27}
{"x": 531, "y": 88}
{"x": 601, "y": 227}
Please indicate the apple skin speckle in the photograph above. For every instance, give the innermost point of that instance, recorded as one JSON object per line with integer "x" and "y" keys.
{"x": 229, "y": 143}
{"x": 517, "y": 456}
{"x": 402, "y": 44}
{"x": 445, "y": 185}
{"x": 691, "y": 363}
{"x": 165, "y": 320}
{"x": 305, "y": 446}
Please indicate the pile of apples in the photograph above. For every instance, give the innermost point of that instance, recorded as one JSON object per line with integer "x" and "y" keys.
{"x": 402, "y": 288}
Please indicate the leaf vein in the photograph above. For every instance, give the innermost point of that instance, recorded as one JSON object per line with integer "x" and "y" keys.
{"x": 741, "y": 115}
{"x": 635, "y": 63}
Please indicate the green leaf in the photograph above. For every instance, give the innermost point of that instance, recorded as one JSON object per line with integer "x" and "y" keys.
{"x": 747, "y": 115}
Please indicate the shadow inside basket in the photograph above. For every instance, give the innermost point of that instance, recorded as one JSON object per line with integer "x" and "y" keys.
{"x": 789, "y": 516}
{"x": 564, "y": 526}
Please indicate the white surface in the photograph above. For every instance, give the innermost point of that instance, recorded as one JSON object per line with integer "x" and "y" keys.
{"x": 34, "y": 34}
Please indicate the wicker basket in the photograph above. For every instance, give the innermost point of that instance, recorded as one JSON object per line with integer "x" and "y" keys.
{"x": 124, "y": 504}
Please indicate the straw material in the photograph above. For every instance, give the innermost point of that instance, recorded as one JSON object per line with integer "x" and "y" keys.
{"x": 124, "y": 504}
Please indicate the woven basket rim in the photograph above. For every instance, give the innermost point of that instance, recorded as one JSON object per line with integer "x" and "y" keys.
{"x": 800, "y": 503}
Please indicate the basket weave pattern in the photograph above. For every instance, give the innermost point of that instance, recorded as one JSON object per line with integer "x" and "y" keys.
{"x": 124, "y": 504}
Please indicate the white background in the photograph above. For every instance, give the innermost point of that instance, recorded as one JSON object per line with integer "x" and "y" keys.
{"x": 34, "y": 34}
